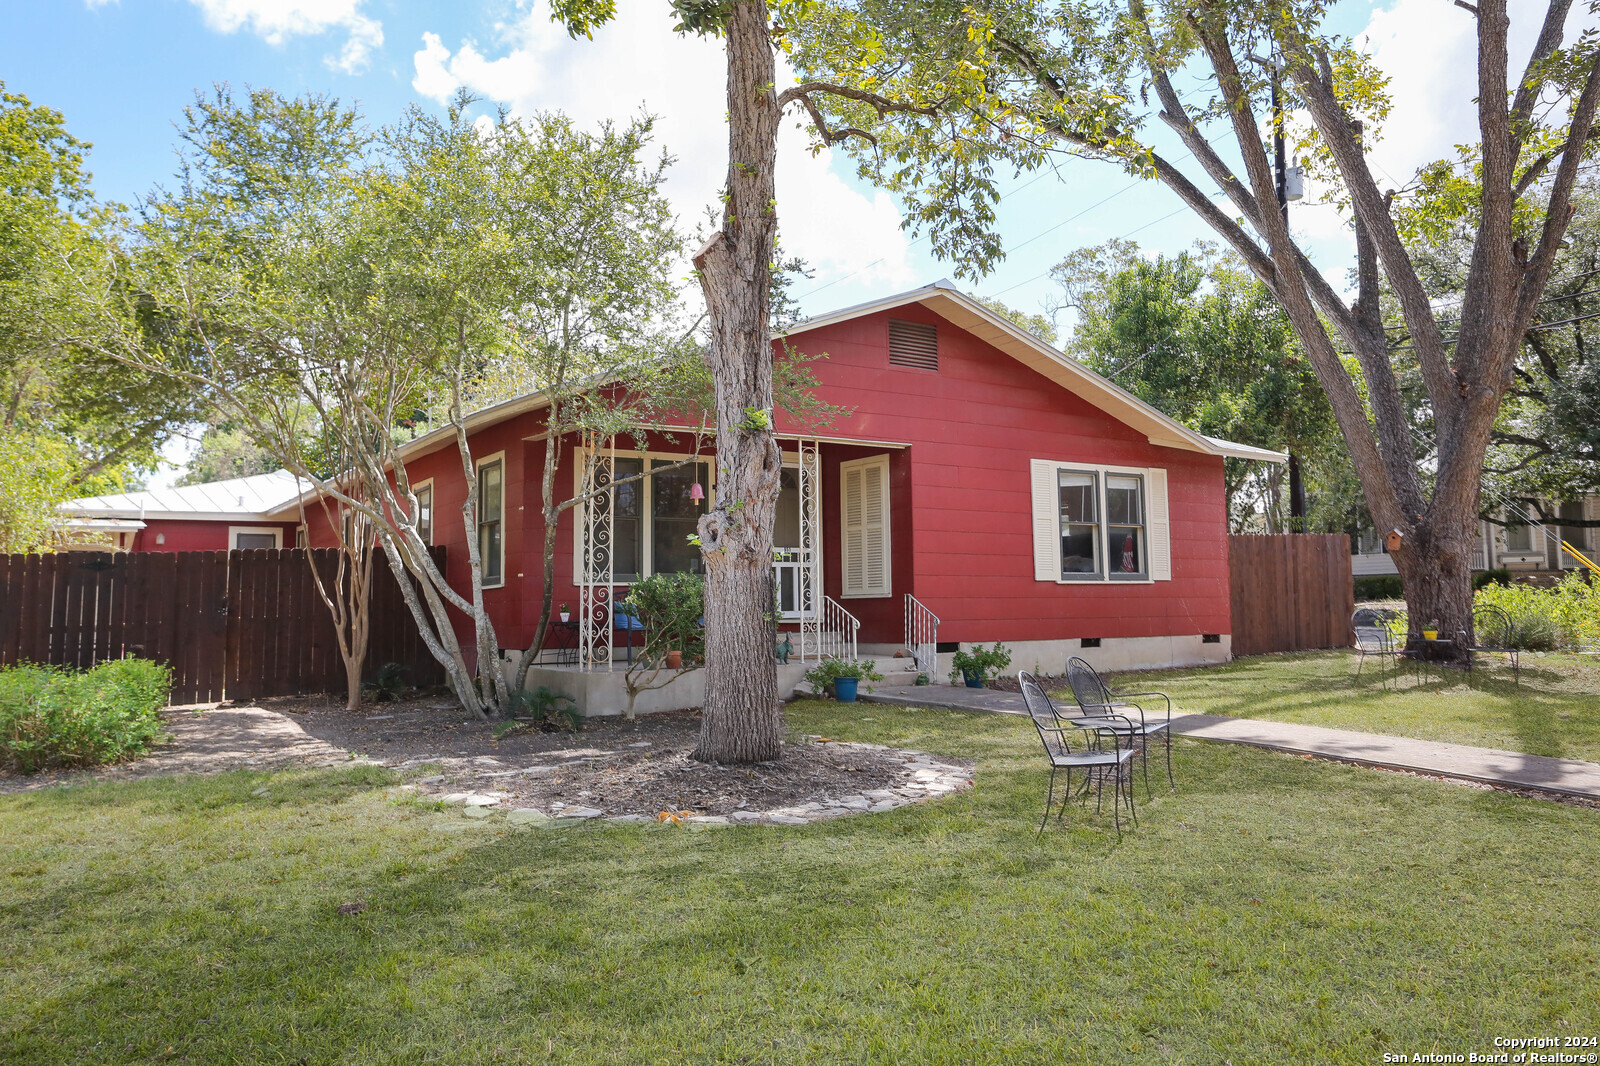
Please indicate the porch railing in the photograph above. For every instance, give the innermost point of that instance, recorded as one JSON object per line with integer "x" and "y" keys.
{"x": 922, "y": 635}
{"x": 835, "y": 636}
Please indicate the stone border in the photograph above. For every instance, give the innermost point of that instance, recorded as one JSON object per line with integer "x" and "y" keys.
{"x": 922, "y": 778}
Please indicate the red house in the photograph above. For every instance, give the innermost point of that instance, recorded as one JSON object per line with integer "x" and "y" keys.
{"x": 984, "y": 487}
{"x": 216, "y": 516}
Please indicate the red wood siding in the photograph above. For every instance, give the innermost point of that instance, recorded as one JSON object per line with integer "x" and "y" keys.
{"x": 189, "y": 535}
{"x": 972, "y": 427}
{"x": 960, "y": 506}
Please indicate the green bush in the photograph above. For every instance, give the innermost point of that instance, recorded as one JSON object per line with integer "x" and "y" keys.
{"x": 55, "y": 717}
{"x": 670, "y": 607}
{"x": 984, "y": 662}
{"x": 1567, "y": 616}
{"x": 1490, "y": 577}
{"x": 1378, "y": 587}
{"x": 823, "y": 675}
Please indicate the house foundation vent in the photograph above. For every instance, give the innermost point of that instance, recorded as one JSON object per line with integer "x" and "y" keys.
{"x": 913, "y": 344}
{"x": 1211, "y": 638}
{"x": 1089, "y": 642}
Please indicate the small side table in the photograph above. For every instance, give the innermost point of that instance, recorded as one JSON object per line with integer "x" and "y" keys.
{"x": 1425, "y": 653}
{"x": 562, "y": 639}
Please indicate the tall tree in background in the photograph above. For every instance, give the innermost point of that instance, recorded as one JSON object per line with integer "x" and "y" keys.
{"x": 1198, "y": 337}
{"x": 72, "y": 422}
{"x": 741, "y": 721}
{"x": 1091, "y": 77}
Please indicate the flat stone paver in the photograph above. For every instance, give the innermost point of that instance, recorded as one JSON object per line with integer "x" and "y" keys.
{"x": 1568, "y": 777}
{"x": 947, "y": 698}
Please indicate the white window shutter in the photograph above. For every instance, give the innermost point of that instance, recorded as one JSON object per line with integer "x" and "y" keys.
{"x": 1160, "y": 531}
{"x": 864, "y": 505}
{"x": 1046, "y": 521}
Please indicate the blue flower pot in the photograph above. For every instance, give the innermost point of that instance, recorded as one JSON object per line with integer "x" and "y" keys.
{"x": 973, "y": 680}
{"x": 844, "y": 689}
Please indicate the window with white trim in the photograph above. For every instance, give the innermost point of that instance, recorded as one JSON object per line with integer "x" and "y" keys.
{"x": 1125, "y": 527}
{"x": 864, "y": 527}
{"x": 1099, "y": 523}
{"x": 653, "y": 518}
{"x": 247, "y": 538}
{"x": 491, "y": 520}
{"x": 424, "y": 494}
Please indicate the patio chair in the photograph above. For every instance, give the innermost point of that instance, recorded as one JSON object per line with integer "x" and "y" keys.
{"x": 1096, "y": 702}
{"x": 1095, "y": 762}
{"x": 1373, "y": 636}
{"x": 623, "y": 620}
{"x": 1492, "y": 631}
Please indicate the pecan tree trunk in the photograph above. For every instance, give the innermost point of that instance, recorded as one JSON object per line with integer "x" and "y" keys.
{"x": 741, "y": 720}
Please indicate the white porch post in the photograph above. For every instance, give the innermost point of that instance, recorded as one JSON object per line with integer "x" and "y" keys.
{"x": 810, "y": 600}
{"x": 595, "y": 575}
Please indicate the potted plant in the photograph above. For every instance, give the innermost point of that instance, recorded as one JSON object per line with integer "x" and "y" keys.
{"x": 566, "y": 612}
{"x": 979, "y": 664}
{"x": 1431, "y": 630}
{"x": 842, "y": 677}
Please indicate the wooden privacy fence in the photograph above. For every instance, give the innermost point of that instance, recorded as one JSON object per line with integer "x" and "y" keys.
{"x": 1290, "y": 592}
{"x": 232, "y": 625}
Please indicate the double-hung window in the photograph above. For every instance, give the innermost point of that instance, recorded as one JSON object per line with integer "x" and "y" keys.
{"x": 1099, "y": 523}
{"x": 491, "y": 521}
{"x": 424, "y": 494}
{"x": 653, "y": 517}
{"x": 1125, "y": 526}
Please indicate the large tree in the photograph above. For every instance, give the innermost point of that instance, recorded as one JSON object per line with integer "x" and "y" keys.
{"x": 1092, "y": 78}
{"x": 1198, "y": 337}
{"x": 73, "y": 421}
{"x": 741, "y": 721}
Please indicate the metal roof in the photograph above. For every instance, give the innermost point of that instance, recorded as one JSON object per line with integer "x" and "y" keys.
{"x": 235, "y": 498}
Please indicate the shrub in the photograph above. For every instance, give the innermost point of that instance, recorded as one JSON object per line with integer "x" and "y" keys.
{"x": 1379, "y": 587}
{"x": 670, "y": 607}
{"x": 1567, "y": 616}
{"x": 824, "y": 673}
{"x": 55, "y": 717}
{"x": 984, "y": 662}
{"x": 1490, "y": 577}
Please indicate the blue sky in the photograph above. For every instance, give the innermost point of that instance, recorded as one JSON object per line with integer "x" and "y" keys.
{"x": 123, "y": 70}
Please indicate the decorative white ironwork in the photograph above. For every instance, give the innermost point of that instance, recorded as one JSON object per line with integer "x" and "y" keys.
{"x": 808, "y": 572}
{"x": 595, "y": 585}
{"x": 922, "y": 635}
{"x": 836, "y": 637}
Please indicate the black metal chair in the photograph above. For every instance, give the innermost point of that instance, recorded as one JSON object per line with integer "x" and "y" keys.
{"x": 1095, "y": 762}
{"x": 1492, "y": 631}
{"x": 1375, "y": 637}
{"x": 1096, "y": 702}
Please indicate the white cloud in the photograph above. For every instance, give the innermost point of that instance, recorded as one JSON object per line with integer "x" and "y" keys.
{"x": 275, "y": 21}
{"x": 637, "y": 63}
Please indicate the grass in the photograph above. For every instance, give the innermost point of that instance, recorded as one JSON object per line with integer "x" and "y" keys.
{"x": 1276, "y": 909}
{"x": 1554, "y": 711}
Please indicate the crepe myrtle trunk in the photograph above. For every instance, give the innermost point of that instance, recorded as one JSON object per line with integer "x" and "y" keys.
{"x": 741, "y": 721}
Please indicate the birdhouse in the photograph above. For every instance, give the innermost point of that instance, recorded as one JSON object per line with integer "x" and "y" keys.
{"x": 1391, "y": 541}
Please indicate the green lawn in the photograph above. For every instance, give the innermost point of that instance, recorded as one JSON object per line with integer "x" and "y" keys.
{"x": 1554, "y": 711}
{"x": 1276, "y": 909}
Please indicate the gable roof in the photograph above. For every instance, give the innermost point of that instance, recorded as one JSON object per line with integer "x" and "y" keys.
{"x": 966, "y": 313}
{"x": 235, "y": 498}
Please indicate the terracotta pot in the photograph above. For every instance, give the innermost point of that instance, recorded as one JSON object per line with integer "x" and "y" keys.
{"x": 674, "y": 659}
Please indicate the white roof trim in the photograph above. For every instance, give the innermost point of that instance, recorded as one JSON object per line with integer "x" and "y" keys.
{"x": 232, "y": 499}
{"x": 962, "y": 311}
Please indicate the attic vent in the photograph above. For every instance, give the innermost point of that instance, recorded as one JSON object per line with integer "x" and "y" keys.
{"x": 913, "y": 344}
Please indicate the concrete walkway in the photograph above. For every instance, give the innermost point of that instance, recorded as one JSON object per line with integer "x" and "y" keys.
{"x": 1568, "y": 777}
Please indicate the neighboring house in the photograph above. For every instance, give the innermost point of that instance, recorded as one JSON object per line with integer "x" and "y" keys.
{"x": 980, "y": 475}
{"x": 217, "y": 516}
{"x": 1501, "y": 546}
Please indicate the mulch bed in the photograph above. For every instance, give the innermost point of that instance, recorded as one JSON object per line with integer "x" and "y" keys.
{"x": 620, "y": 767}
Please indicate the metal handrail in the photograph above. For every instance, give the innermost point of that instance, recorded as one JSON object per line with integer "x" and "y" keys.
{"x": 836, "y": 634}
{"x": 922, "y": 635}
